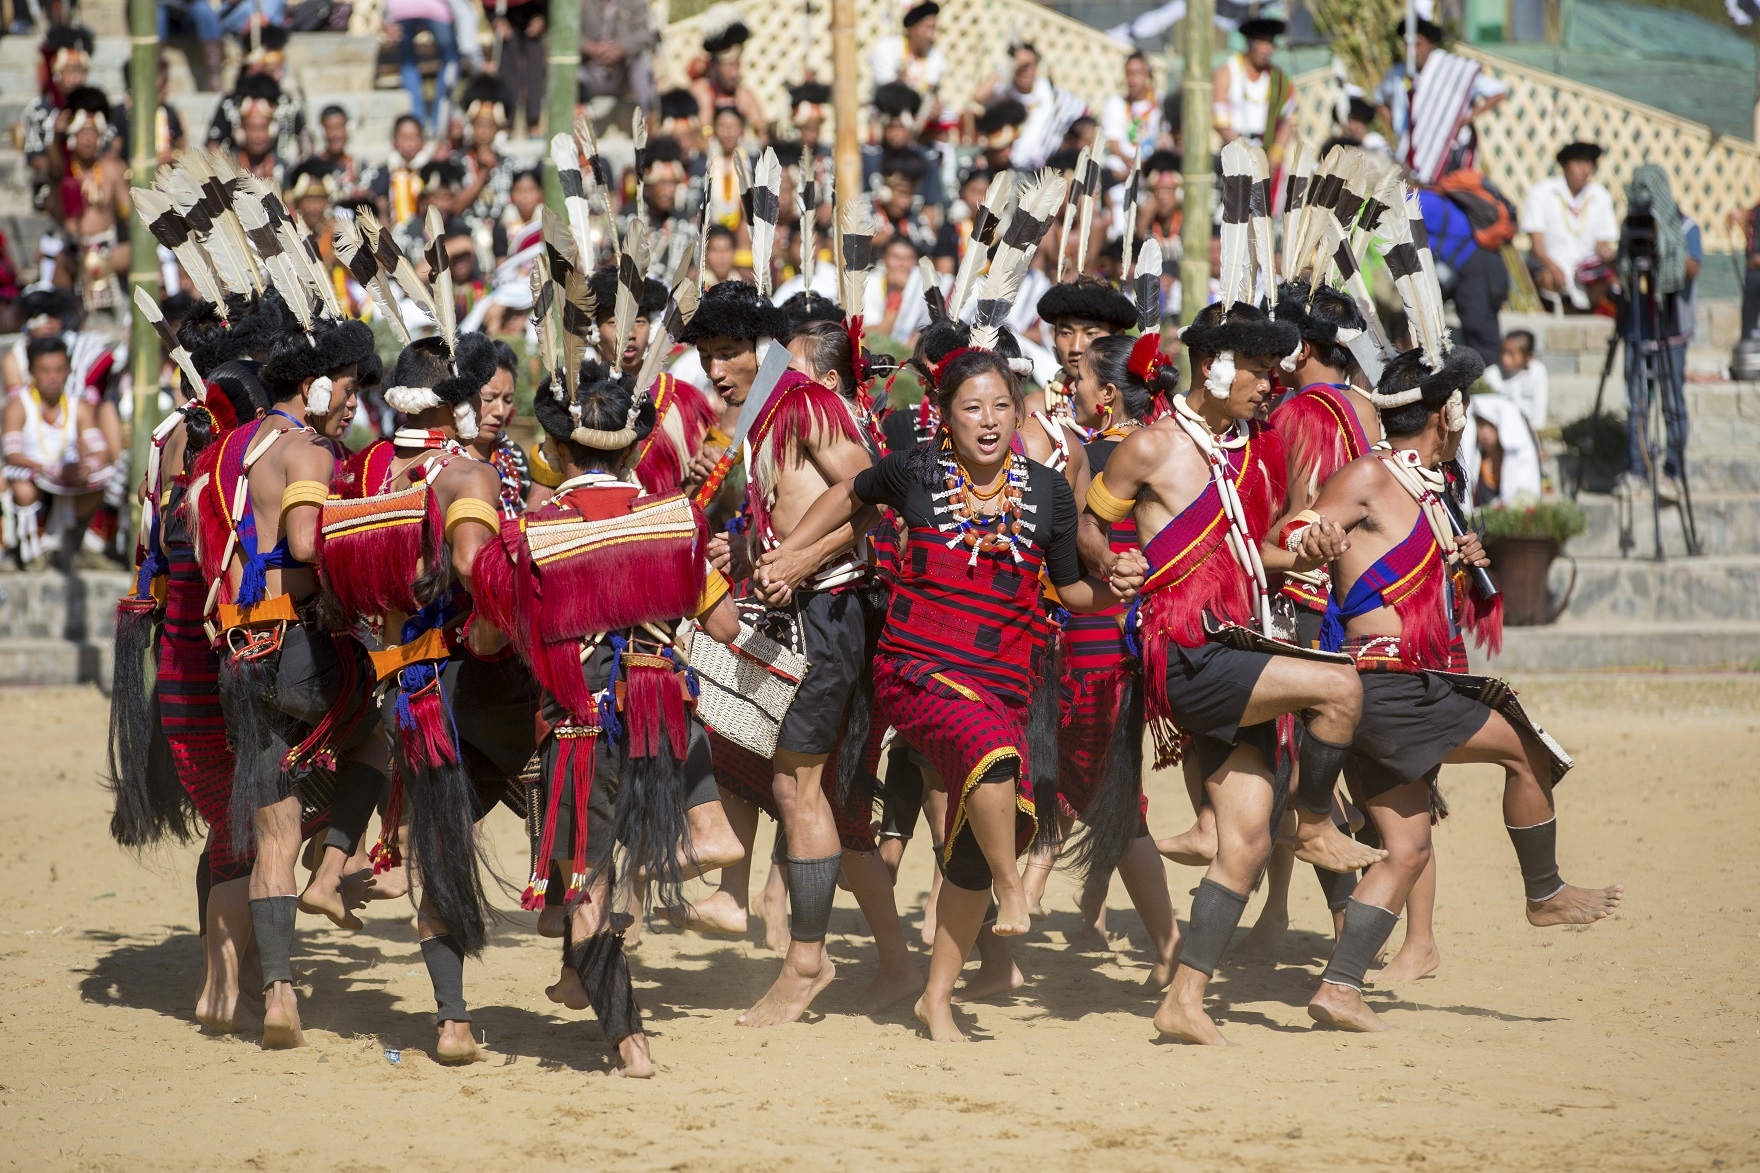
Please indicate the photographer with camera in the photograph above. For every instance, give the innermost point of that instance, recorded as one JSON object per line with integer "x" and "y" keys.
{"x": 1659, "y": 256}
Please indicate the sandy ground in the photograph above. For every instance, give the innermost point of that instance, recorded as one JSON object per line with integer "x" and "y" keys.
{"x": 1633, "y": 1044}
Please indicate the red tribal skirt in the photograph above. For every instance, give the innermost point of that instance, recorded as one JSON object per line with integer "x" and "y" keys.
{"x": 962, "y": 729}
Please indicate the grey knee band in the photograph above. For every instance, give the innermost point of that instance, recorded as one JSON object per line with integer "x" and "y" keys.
{"x": 1537, "y": 852}
{"x": 272, "y": 920}
{"x": 1366, "y": 928}
{"x": 1216, "y": 913}
{"x": 1338, "y": 886}
{"x": 445, "y": 960}
{"x": 812, "y": 885}
{"x": 1321, "y": 762}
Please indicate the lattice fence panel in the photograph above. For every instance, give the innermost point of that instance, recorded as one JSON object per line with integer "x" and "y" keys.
{"x": 975, "y": 34}
{"x": 1710, "y": 175}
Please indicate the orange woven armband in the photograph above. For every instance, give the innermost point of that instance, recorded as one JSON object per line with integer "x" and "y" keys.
{"x": 715, "y": 588}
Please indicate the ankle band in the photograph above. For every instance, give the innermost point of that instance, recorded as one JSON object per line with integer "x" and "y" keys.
{"x": 1366, "y": 928}
{"x": 272, "y": 919}
{"x": 1216, "y": 913}
{"x": 1537, "y": 853}
{"x": 812, "y": 885}
{"x": 1321, "y": 762}
{"x": 358, "y": 787}
{"x": 445, "y": 960}
{"x": 604, "y": 974}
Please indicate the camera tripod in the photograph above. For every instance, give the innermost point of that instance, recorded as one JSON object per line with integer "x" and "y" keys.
{"x": 1641, "y": 320}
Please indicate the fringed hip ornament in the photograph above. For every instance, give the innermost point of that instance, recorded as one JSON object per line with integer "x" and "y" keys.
{"x": 424, "y": 723}
{"x": 576, "y": 759}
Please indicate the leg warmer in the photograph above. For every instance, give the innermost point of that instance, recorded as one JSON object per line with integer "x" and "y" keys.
{"x": 1338, "y": 887}
{"x": 1537, "y": 852}
{"x": 812, "y": 885}
{"x": 445, "y": 961}
{"x": 357, "y": 793}
{"x": 604, "y": 974}
{"x": 1321, "y": 762}
{"x": 966, "y": 866}
{"x": 1366, "y": 928}
{"x": 1216, "y": 913}
{"x": 272, "y": 920}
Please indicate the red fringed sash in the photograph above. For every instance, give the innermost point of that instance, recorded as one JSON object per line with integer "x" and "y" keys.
{"x": 799, "y": 412}
{"x": 1193, "y": 575}
{"x": 1321, "y": 431}
{"x": 1411, "y": 579}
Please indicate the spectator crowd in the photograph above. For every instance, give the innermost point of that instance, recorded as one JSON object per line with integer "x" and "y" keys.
{"x": 475, "y": 72}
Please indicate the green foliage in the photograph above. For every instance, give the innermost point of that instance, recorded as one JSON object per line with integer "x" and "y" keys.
{"x": 1365, "y": 34}
{"x": 1558, "y": 518}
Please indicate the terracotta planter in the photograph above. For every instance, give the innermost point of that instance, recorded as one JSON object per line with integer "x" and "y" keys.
{"x": 1519, "y": 566}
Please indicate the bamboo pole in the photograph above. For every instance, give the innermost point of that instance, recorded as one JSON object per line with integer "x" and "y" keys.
{"x": 562, "y": 48}
{"x": 1195, "y": 117}
{"x": 847, "y": 152}
{"x": 143, "y": 265}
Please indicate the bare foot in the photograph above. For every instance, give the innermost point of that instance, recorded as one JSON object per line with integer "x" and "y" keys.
{"x": 703, "y": 858}
{"x": 1320, "y": 843}
{"x": 793, "y": 991}
{"x": 325, "y": 898}
{"x": 992, "y": 982}
{"x": 1188, "y": 1023}
{"x": 1413, "y": 961}
{"x": 391, "y": 885}
{"x": 718, "y": 913}
{"x": 281, "y": 1018}
{"x": 633, "y": 1060}
{"x": 226, "y": 1014}
{"x": 568, "y": 990}
{"x": 938, "y": 1021}
{"x": 1267, "y": 931}
{"x": 1092, "y": 939}
{"x": 1038, "y": 911}
{"x": 1012, "y": 917}
{"x": 1344, "y": 1008}
{"x": 1575, "y": 906}
{"x": 456, "y": 1044}
{"x": 891, "y": 985}
{"x": 1195, "y": 848}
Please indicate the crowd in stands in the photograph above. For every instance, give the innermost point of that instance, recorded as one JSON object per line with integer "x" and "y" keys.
{"x": 930, "y": 158}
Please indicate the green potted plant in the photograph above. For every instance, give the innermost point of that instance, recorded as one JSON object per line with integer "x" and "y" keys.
{"x": 1522, "y": 540}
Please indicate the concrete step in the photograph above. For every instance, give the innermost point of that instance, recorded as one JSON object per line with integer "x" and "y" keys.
{"x": 54, "y": 661}
{"x": 1728, "y": 523}
{"x": 1679, "y": 590}
{"x": 80, "y": 607}
{"x": 1710, "y": 405}
{"x": 1572, "y": 647}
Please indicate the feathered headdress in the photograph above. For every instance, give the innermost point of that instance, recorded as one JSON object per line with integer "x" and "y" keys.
{"x": 855, "y": 253}
{"x": 1014, "y": 253}
{"x": 766, "y": 209}
{"x": 998, "y": 205}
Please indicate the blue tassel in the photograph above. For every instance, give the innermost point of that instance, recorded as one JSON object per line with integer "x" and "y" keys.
{"x": 1132, "y": 640}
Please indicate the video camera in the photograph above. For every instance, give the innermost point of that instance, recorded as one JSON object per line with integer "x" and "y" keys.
{"x": 1637, "y": 238}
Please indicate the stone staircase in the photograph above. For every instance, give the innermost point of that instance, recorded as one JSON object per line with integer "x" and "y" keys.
{"x": 57, "y": 628}
{"x": 329, "y": 69}
{"x": 1628, "y": 610}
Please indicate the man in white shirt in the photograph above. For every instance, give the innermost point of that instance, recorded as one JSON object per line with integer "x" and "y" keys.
{"x": 1572, "y": 231}
{"x": 1130, "y": 123}
{"x": 1049, "y": 109}
{"x": 912, "y": 58}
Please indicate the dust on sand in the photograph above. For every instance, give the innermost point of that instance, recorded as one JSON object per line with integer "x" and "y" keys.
{"x": 1633, "y": 1044}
